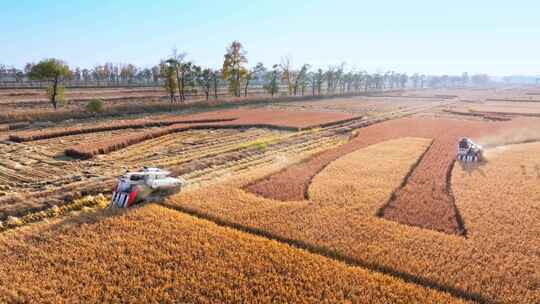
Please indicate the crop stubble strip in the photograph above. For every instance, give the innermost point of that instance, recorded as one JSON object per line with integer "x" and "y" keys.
{"x": 88, "y": 151}
{"x": 209, "y": 151}
{"x": 140, "y": 151}
{"x": 142, "y": 123}
{"x": 275, "y": 148}
{"x": 137, "y": 152}
{"x": 261, "y": 159}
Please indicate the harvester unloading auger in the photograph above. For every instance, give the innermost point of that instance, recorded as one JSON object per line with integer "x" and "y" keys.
{"x": 134, "y": 187}
{"x": 469, "y": 152}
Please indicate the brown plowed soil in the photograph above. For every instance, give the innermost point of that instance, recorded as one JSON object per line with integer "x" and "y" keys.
{"x": 253, "y": 116}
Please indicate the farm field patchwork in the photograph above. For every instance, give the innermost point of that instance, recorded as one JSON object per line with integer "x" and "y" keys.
{"x": 35, "y": 174}
{"x": 505, "y": 109}
{"x": 169, "y": 256}
{"x": 365, "y": 105}
{"x": 362, "y": 179}
{"x": 449, "y": 262}
{"x": 378, "y": 194}
{"x": 254, "y": 116}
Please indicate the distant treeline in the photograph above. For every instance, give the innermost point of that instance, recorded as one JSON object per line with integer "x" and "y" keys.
{"x": 180, "y": 76}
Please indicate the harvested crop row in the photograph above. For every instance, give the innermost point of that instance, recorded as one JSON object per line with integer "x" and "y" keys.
{"x": 22, "y": 164}
{"x": 249, "y": 160}
{"x": 286, "y": 119}
{"x": 152, "y": 254}
{"x": 248, "y": 118}
{"x": 84, "y": 203}
{"x": 57, "y": 145}
{"x": 36, "y": 184}
{"x": 89, "y": 150}
{"x": 116, "y": 125}
{"x": 185, "y": 145}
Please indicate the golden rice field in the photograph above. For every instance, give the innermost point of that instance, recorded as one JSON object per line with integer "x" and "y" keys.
{"x": 342, "y": 200}
{"x": 361, "y": 180}
{"x": 495, "y": 262}
{"x": 153, "y": 254}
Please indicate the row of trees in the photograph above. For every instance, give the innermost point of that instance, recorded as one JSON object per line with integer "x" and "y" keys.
{"x": 180, "y": 76}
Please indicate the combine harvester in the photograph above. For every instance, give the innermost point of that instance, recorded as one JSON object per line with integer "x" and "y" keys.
{"x": 135, "y": 187}
{"x": 469, "y": 152}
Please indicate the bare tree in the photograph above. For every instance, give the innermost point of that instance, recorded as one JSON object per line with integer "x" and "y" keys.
{"x": 177, "y": 61}
{"x": 215, "y": 82}
{"x": 203, "y": 78}
{"x": 272, "y": 85}
{"x": 287, "y": 73}
{"x": 254, "y": 71}
{"x": 300, "y": 78}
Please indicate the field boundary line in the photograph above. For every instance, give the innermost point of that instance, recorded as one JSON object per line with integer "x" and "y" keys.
{"x": 448, "y": 188}
{"x": 333, "y": 254}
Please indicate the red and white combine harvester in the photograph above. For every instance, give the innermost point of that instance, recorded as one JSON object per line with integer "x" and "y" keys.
{"x": 134, "y": 187}
{"x": 469, "y": 152}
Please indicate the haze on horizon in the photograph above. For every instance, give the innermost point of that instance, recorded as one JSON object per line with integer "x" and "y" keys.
{"x": 414, "y": 36}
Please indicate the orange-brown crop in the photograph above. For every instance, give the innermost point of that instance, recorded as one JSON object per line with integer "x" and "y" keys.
{"x": 365, "y": 179}
{"x": 425, "y": 200}
{"x": 496, "y": 262}
{"x": 153, "y": 254}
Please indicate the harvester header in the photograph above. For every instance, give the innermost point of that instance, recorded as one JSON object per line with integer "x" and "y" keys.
{"x": 134, "y": 187}
{"x": 468, "y": 151}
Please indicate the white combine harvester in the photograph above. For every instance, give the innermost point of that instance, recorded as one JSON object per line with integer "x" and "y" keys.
{"x": 468, "y": 151}
{"x": 134, "y": 187}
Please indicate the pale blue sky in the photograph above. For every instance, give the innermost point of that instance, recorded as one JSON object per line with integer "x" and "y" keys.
{"x": 496, "y": 37}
